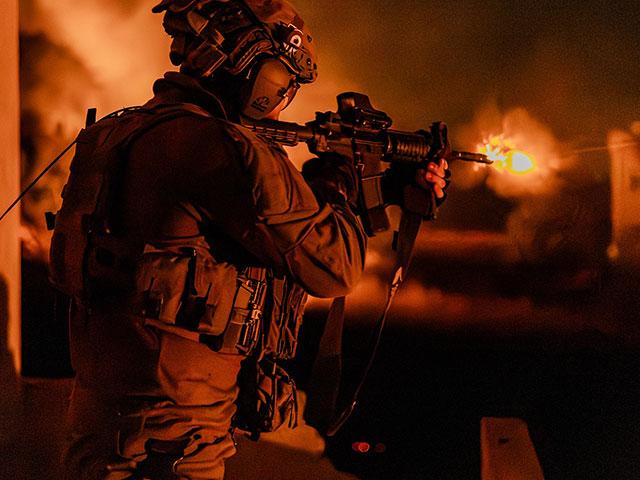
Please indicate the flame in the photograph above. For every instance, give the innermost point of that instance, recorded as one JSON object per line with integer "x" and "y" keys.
{"x": 527, "y": 156}
{"x": 507, "y": 156}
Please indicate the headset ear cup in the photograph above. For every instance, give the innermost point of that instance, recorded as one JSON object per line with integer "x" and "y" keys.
{"x": 267, "y": 87}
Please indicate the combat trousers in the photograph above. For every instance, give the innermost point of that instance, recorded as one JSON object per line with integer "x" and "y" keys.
{"x": 172, "y": 424}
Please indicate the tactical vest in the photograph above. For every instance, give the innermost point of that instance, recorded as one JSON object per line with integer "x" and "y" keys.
{"x": 174, "y": 287}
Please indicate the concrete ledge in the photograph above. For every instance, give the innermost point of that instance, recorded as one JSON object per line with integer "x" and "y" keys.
{"x": 507, "y": 450}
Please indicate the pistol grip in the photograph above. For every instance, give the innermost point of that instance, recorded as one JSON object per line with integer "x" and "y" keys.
{"x": 419, "y": 201}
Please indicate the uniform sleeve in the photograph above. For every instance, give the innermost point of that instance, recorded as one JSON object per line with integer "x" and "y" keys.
{"x": 321, "y": 243}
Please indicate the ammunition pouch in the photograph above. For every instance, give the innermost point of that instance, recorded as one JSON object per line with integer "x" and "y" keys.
{"x": 268, "y": 398}
{"x": 181, "y": 289}
{"x": 246, "y": 320}
{"x": 281, "y": 337}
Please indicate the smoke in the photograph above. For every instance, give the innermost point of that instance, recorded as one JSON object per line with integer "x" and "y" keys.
{"x": 54, "y": 86}
{"x": 559, "y": 214}
{"x": 122, "y": 44}
{"x": 452, "y": 311}
{"x": 570, "y": 64}
{"x": 74, "y": 56}
{"x": 525, "y": 133}
{"x": 555, "y": 80}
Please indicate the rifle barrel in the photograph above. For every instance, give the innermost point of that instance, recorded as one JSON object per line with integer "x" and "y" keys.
{"x": 471, "y": 157}
{"x": 290, "y": 134}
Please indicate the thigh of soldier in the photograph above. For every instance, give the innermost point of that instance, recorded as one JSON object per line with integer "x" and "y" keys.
{"x": 193, "y": 399}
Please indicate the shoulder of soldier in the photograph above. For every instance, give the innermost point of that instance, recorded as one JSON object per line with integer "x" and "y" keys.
{"x": 184, "y": 124}
{"x": 236, "y": 131}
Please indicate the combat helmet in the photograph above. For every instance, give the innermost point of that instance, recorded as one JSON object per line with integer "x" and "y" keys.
{"x": 263, "y": 43}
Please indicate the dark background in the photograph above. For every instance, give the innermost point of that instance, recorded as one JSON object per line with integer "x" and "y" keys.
{"x": 572, "y": 64}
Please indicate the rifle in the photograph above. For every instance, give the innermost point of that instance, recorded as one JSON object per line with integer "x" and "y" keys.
{"x": 363, "y": 133}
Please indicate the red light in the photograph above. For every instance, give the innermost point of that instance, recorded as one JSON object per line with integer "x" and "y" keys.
{"x": 360, "y": 447}
{"x": 380, "y": 448}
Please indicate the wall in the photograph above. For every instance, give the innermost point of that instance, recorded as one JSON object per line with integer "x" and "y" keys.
{"x": 10, "y": 179}
{"x": 624, "y": 148}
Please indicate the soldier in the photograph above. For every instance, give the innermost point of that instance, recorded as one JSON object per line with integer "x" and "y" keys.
{"x": 189, "y": 245}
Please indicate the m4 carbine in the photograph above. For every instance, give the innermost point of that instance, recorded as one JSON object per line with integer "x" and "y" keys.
{"x": 360, "y": 132}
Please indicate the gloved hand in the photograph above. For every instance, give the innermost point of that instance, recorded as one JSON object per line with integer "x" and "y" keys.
{"x": 423, "y": 190}
{"x": 435, "y": 177}
{"x": 333, "y": 178}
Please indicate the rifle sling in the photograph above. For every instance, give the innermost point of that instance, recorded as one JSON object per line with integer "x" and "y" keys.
{"x": 327, "y": 370}
{"x": 327, "y": 367}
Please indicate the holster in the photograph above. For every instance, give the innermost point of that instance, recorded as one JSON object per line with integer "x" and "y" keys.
{"x": 268, "y": 398}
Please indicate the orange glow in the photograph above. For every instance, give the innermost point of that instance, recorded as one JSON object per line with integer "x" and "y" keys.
{"x": 527, "y": 156}
{"x": 507, "y": 156}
